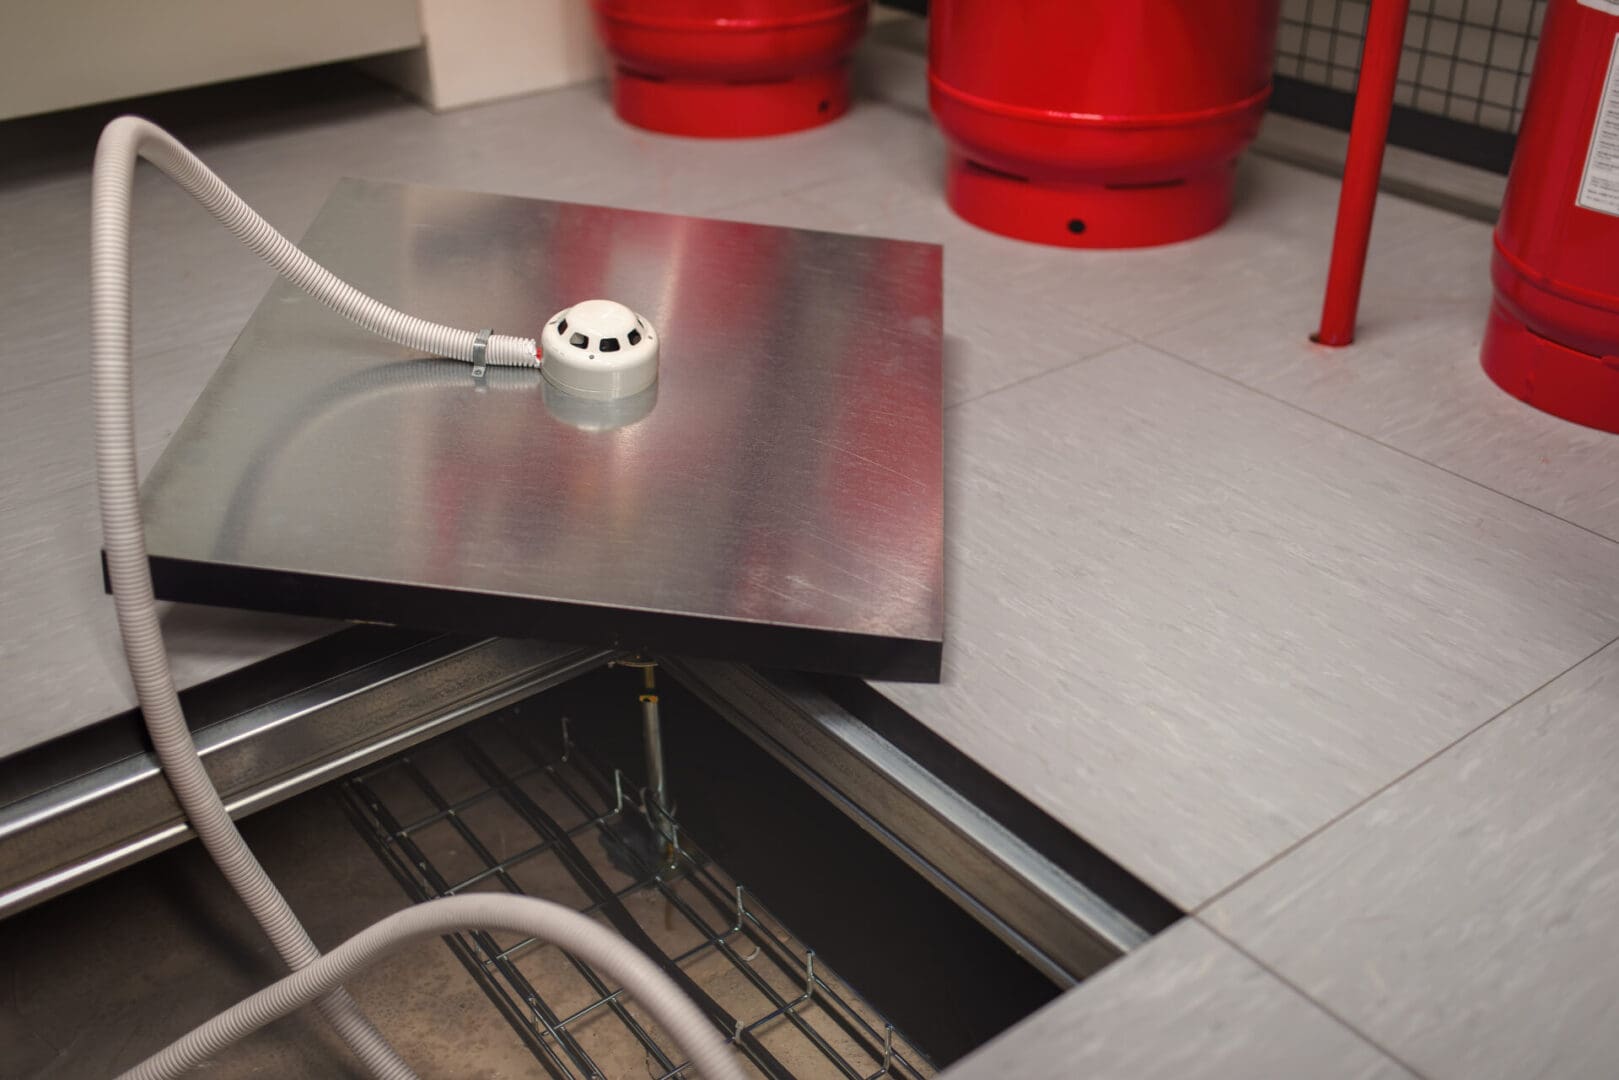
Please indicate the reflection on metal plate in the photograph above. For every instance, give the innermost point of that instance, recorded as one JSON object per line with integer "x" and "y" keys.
{"x": 777, "y": 499}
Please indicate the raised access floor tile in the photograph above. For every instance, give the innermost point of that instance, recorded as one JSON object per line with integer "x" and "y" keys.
{"x": 1412, "y": 380}
{"x": 1468, "y": 917}
{"x": 1186, "y": 1006}
{"x": 62, "y": 657}
{"x": 1194, "y": 624}
{"x": 1272, "y": 252}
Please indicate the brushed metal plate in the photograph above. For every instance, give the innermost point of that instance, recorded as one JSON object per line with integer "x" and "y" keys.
{"x": 779, "y": 502}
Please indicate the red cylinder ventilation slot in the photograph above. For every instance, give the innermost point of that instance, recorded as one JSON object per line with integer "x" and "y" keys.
{"x": 1553, "y": 333}
{"x": 730, "y": 68}
{"x": 1098, "y": 123}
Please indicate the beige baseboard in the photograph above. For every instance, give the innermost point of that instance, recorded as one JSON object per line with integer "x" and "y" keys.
{"x": 1462, "y": 189}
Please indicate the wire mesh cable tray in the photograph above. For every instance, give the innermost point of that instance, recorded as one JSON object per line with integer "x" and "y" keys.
{"x": 449, "y": 818}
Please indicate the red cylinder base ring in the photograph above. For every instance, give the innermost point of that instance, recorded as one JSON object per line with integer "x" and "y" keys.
{"x": 1554, "y": 378}
{"x": 1082, "y": 215}
{"x": 1553, "y": 335}
{"x": 731, "y": 110}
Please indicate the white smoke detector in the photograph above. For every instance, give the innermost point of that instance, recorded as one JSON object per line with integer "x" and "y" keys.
{"x": 599, "y": 349}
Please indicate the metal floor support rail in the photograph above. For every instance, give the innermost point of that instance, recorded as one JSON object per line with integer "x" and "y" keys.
{"x": 1060, "y": 924}
{"x": 108, "y": 812}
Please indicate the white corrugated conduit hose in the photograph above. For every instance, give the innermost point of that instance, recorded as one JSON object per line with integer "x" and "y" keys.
{"x": 526, "y": 915}
{"x": 121, "y": 143}
{"x": 129, "y": 137}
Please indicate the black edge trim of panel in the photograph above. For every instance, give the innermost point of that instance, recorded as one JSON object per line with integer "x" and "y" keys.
{"x": 1045, "y": 834}
{"x": 798, "y": 648}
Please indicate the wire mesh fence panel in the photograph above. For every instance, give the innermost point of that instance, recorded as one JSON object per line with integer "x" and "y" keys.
{"x": 499, "y": 806}
{"x": 1467, "y": 61}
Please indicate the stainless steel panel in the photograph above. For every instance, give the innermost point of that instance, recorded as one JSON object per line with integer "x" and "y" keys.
{"x": 781, "y": 501}
{"x": 124, "y": 811}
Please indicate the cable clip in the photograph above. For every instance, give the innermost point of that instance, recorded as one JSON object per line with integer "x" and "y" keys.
{"x": 480, "y": 352}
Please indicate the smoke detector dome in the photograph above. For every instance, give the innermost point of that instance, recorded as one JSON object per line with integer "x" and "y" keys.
{"x": 599, "y": 349}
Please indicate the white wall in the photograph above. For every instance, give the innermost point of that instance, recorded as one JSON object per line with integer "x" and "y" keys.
{"x": 57, "y": 54}
{"x": 480, "y": 50}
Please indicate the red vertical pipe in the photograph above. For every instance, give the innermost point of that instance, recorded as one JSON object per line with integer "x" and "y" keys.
{"x": 1374, "y": 100}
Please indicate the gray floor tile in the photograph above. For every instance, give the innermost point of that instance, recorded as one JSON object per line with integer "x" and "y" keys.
{"x": 1468, "y": 917}
{"x": 47, "y": 433}
{"x": 1412, "y": 380}
{"x": 1269, "y": 256}
{"x": 904, "y": 195}
{"x": 997, "y": 335}
{"x": 1185, "y": 1006}
{"x": 61, "y": 655}
{"x": 792, "y": 211}
{"x": 1195, "y": 624}
{"x": 567, "y": 144}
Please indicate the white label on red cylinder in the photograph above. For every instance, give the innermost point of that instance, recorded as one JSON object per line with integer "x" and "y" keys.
{"x": 1610, "y": 6}
{"x": 1599, "y": 187}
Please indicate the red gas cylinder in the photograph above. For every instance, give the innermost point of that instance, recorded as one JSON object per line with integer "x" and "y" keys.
{"x": 730, "y": 68}
{"x": 1098, "y": 123}
{"x": 1553, "y": 334}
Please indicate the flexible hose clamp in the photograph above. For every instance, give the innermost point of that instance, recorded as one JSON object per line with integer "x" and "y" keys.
{"x": 480, "y": 352}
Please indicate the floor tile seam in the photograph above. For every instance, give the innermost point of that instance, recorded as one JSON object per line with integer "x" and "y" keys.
{"x": 1200, "y": 909}
{"x": 1341, "y": 426}
{"x": 1314, "y": 1002}
{"x": 1066, "y": 365}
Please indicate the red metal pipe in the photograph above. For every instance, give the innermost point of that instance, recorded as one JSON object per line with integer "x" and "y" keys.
{"x": 1363, "y": 166}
